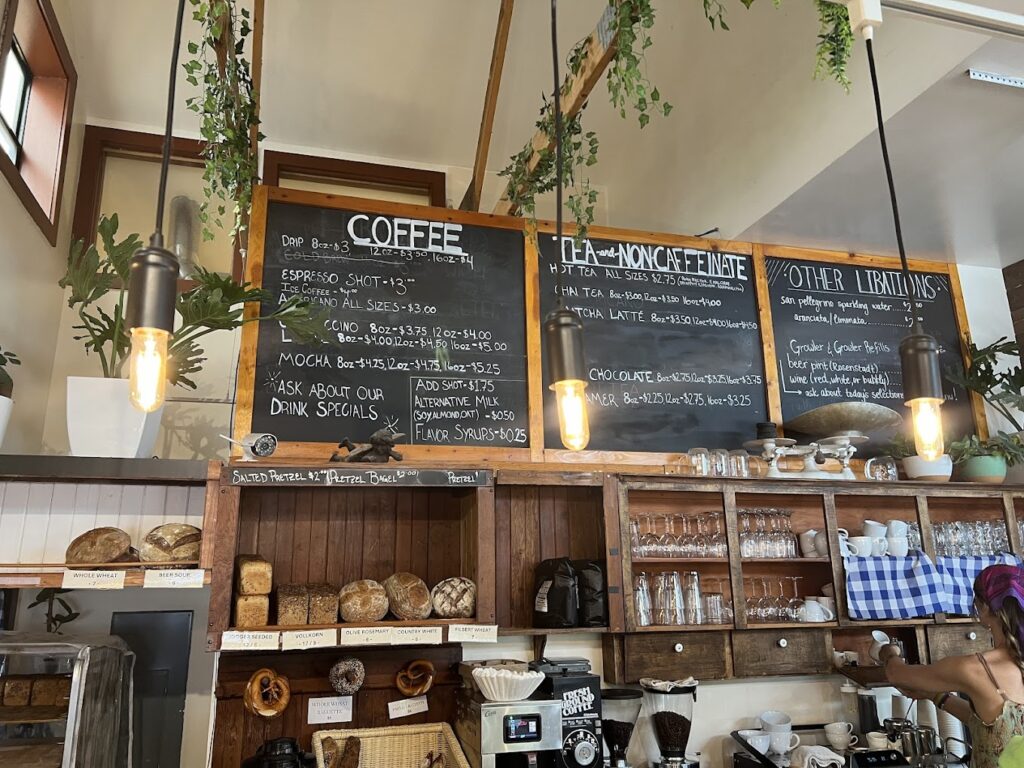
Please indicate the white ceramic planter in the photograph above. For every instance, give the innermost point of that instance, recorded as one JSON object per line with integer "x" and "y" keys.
{"x": 103, "y": 422}
{"x": 937, "y": 471}
{"x": 6, "y": 404}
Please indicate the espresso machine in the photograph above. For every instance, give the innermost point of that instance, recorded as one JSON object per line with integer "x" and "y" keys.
{"x": 571, "y": 682}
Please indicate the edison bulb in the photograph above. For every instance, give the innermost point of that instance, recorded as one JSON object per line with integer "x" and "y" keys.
{"x": 926, "y": 413}
{"x": 148, "y": 368}
{"x": 572, "y": 413}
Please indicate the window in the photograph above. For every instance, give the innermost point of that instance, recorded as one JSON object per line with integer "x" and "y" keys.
{"x": 17, "y": 82}
{"x": 37, "y": 94}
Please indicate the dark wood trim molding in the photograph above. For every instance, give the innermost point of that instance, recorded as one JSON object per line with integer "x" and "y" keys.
{"x": 278, "y": 164}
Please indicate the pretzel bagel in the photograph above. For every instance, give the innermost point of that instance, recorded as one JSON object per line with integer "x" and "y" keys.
{"x": 415, "y": 678}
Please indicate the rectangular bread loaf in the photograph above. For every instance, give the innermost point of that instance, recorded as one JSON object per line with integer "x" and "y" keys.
{"x": 252, "y": 610}
{"x": 292, "y": 604}
{"x": 44, "y": 691}
{"x": 255, "y": 576}
{"x": 63, "y": 695}
{"x": 17, "y": 691}
{"x": 323, "y": 604}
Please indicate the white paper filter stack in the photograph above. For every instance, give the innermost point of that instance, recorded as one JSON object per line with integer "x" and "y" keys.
{"x": 949, "y": 726}
{"x": 500, "y": 684}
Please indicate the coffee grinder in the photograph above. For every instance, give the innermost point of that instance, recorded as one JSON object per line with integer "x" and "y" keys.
{"x": 669, "y": 707}
{"x": 620, "y": 708}
{"x": 571, "y": 682}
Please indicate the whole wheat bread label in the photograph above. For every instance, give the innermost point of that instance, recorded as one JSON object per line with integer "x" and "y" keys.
{"x": 173, "y": 578}
{"x": 406, "y": 707}
{"x": 329, "y": 709}
{"x": 365, "y": 636}
{"x": 303, "y": 639}
{"x": 93, "y": 580}
{"x": 416, "y": 636}
{"x": 238, "y": 640}
{"x": 473, "y": 633}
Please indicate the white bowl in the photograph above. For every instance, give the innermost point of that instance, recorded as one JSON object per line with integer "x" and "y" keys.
{"x": 497, "y": 684}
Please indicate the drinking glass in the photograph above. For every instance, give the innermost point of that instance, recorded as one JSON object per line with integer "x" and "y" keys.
{"x": 667, "y": 542}
{"x": 914, "y": 536}
{"x": 719, "y": 542}
{"x": 700, "y": 462}
{"x": 649, "y": 540}
{"x": 719, "y": 462}
{"x": 642, "y": 600}
{"x": 634, "y": 538}
{"x": 795, "y": 602}
{"x": 739, "y": 464}
{"x": 668, "y": 599}
{"x": 693, "y": 604}
{"x": 714, "y": 608}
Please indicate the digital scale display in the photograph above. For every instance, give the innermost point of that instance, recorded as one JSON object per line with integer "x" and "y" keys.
{"x": 522, "y": 728}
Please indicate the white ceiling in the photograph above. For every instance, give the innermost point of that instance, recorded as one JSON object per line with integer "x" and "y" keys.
{"x": 403, "y": 81}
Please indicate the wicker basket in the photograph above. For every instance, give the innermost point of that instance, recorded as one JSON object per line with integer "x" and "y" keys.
{"x": 401, "y": 746}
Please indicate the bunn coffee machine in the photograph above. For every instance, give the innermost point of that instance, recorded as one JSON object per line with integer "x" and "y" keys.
{"x": 570, "y": 682}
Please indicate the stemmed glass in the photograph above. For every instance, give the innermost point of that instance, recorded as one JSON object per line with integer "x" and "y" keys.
{"x": 795, "y": 602}
{"x": 649, "y": 541}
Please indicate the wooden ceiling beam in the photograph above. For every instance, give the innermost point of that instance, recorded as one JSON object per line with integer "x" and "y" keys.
{"x": 471, "y": 201}
{"x": 575, "y": 90}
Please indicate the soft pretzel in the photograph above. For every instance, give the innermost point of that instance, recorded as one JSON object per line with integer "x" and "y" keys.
{"x": 415, "y": 678}
{"x": 267, "y": 693}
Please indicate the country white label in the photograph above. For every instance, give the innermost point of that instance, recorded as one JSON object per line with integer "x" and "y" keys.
{"x": 416, "y": 636}
{"x": 406, "y": 707}
{"x": 173, "y": 578}
{"x": 237, "y": 640}
{"x": 364, "y": 636}
{"x": 473, "y": 633}
{"x": 329, "y": 709}
{"x": 93, "y": 580}
{"x": 310, "y": 638}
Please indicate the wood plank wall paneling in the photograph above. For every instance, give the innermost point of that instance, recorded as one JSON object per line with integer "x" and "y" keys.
{"x": 238, "y": 734}
{"x": 1013, "y": 277}
{"x": 338, "y": 535}
{"x": 39, "y": 520}
{"x": 534, "y": 523}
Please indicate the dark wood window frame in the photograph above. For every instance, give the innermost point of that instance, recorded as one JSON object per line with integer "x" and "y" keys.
{"x": 278, "y": 164}
{"x": 100, "y": 143}
{"x": 55, "y": 81}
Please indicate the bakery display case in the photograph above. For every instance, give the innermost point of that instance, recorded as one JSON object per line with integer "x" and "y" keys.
{"x": 66, "y": 701}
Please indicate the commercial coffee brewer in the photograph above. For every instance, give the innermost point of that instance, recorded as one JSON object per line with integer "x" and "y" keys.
{"x": 571, "y": 682}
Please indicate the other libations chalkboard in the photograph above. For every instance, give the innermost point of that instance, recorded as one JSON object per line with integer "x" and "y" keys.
{"x": 429, "y": 318}
{"x": 673, "y": 346}
{"x": 837, "y": 334}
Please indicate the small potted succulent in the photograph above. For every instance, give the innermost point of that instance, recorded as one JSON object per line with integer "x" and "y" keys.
{"x": 986, "y": 461}
{"x": 6, "y": 389}
{"x": 914, "y": 467}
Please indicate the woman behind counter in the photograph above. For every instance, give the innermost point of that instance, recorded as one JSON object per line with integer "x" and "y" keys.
{"x": 993, "y": 681}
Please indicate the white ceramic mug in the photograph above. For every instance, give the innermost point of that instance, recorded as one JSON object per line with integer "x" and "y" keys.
{"x": 840, "y": 741}
{"x": 784, "y": 741}
{"x": 815, "y": 613}
{"x": 879, "y": 639}
{"x": 828, "y": 603}
{"x": 874, "y": 529}
{"x": 807, "y": 546}
{"x": 899, "y": 546}
{"x": 877, "y": 740}
{"x": 839, "y": 727}
{"x": 774, "y": 721}
{"x": 821, "y": 543}
{"x": 896, "y": 528}
{"x": 879, "y": 546}
{"x": 859, "y": 546}
{"x": 758, "y": 740}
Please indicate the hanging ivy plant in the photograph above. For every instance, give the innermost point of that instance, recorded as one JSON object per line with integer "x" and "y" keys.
{"x": 627, "y": 71}
{"x": 228, "y": 109}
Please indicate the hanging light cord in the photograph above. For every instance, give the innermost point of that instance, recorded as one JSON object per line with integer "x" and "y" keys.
{"x": 558, "y": 156}
{"x": 892, "y": 186}
{"x": 165, "y": 161}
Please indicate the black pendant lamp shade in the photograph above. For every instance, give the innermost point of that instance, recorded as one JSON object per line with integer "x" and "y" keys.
{"x": 152, "y": 287}
{"x": 919, "y": 359}
{"x": 563, "y": 335}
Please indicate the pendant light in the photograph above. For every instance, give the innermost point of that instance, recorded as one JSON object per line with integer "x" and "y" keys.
{"x": 153, "y": 283}
{"x": 563, "y": 329}
{"x": 919, "y": 351}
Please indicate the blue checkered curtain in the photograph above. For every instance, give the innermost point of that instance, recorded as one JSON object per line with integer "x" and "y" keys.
{"x": 893, "y": 587}
{"x": 959, "y": 574}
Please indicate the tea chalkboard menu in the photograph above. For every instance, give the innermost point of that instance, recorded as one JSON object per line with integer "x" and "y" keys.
{"x": 837, "y": 334}
{"x": 672, "y": 343}
{"x": 429, "y": 319}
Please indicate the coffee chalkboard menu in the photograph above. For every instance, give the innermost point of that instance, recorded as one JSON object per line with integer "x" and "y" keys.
{"x": 838, "y": 329}
{"x": 673, "y": 347}
{"x": 429, "y": 319}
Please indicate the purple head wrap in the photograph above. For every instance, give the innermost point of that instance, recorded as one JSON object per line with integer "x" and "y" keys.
{"x": 998, "y": 583}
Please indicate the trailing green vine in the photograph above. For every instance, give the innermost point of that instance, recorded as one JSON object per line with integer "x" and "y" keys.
{"x": 228, "y": 108}
{"x": 627, "y": 82}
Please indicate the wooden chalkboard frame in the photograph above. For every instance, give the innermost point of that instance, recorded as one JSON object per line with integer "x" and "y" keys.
{"x": 859, "y": 260}
{"x": 245, "y": 384}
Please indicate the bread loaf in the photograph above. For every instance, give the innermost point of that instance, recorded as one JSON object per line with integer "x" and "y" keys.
{"x": 63, "y": 695}
{"x": 171, "y": 542}
{"x": 408, "y": 596}
{"x": 44, "y": 691}
{"x": 454, "y": 598}
{"x": 255, "y": 576}
{"x": 323, "y": 604}
{"x": 100, "y": 545}
{"x": 252, "y": 610}
{"x": 17, "y": 691}
{"x": 292, "y": 605}
{"x": 363, "y": 600}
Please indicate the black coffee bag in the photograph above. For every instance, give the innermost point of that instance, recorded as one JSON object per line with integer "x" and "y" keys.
{"x": 555, "y": 599}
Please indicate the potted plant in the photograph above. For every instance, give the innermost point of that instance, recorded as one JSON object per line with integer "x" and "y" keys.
{"x": 101, "y": 419}
{"x": 986, "y": 461}
{"x": 6, "y": 389}
{"x": 914, "y": 467}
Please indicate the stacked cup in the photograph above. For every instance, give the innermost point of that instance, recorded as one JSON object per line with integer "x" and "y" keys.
{"x": 779, "y": 726}
{"x": 840, "y": 736}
